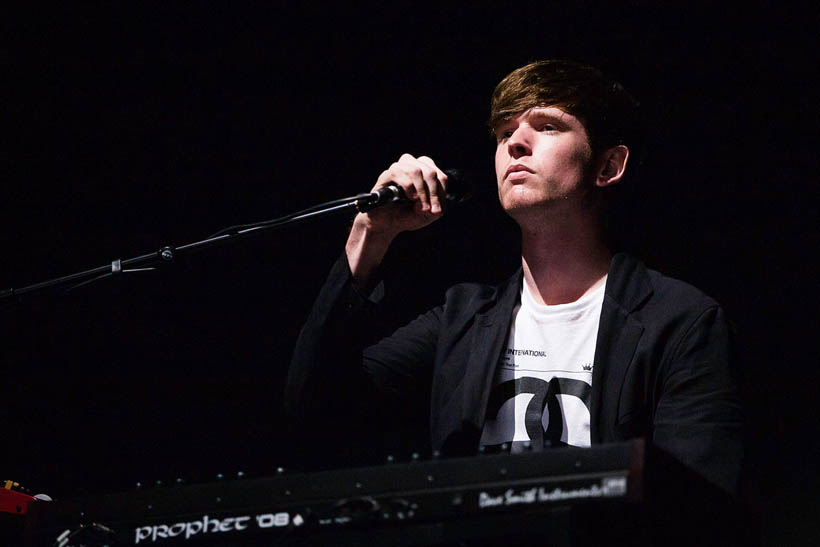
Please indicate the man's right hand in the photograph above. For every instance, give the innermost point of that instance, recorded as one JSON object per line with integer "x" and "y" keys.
{"x": 424, "y": 185}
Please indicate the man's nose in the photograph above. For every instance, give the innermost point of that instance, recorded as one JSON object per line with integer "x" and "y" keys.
{"x": 519, "y": 143}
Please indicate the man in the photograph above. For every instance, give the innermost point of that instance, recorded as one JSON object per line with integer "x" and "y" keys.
{"x": 579, "y": 347}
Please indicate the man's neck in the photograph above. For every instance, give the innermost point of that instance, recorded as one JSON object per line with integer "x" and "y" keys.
{"x": 563, "y": 261}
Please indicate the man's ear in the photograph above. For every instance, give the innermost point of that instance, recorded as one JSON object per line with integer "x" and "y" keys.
{"x": 612, "y": 166}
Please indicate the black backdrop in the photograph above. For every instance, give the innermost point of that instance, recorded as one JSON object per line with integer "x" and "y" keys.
{"x": 126, "y": 129}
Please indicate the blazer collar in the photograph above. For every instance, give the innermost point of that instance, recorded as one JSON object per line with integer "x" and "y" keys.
{"x": 628, "y": 282}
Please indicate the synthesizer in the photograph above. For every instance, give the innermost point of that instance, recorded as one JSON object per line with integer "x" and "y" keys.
{"x": 417, "y": 503}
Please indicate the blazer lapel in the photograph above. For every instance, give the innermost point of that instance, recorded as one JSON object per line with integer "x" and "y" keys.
{"x": 628, "y": 285}
{"x": 488, "y": 337}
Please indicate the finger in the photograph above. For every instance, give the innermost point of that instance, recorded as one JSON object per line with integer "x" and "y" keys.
{"x": 407, "y": 159}
{"x": 420, "y": 177}
{"x": 385, "y": 178}
{"x": 421, "y": 185}
{"x": 432, "y": 185}
{"x": 441, "y": 175}
{"x": 397, "y": 175}
{"x": 438, "y": 183}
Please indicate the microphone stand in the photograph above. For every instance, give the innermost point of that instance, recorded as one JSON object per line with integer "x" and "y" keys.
{"x": 167, "y": 253}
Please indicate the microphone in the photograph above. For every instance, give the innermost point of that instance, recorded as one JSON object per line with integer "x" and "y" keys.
{"x": 458, "y": 189}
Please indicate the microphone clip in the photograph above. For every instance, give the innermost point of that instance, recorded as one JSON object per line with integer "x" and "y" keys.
{"x": 384, "y": 195}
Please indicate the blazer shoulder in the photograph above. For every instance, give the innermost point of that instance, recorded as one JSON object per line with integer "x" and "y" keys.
{"x": 675, "y": 294}
{"x": 636, "y": 288}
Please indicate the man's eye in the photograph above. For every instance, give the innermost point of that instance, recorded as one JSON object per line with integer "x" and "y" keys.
{"x": 504, "y": 135}
{"x": 549, "y": 127}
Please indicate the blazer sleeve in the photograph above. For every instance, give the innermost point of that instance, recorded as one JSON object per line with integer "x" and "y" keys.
{"x": 698, "y": 418}
{"x": 336, "y": 366}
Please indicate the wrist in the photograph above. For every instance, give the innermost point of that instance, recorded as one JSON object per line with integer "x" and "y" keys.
{"x": 365, "y": 250}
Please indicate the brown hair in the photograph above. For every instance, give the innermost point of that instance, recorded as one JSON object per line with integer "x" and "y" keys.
{"x": 602, "y": 105}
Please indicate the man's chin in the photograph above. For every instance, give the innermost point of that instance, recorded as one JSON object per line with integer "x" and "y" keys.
{"x": 524, "y": 201}
{"x": 537, "y": 212}
{"x": 523, "y": 210}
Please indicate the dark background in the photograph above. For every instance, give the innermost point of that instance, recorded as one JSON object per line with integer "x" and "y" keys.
{"x": 126, "y": 129}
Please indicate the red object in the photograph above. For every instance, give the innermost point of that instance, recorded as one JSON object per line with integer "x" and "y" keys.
{"x": 14, "y": 502}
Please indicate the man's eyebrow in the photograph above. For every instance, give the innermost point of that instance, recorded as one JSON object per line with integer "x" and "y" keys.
{"x": 540, "y": 115}
{"x": 547, "y": 115}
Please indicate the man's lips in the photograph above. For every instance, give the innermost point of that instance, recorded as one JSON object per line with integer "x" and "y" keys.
{"x": 517, "y": 171}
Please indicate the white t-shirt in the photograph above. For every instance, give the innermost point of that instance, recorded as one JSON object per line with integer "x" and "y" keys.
{"x": 543, "y": 381}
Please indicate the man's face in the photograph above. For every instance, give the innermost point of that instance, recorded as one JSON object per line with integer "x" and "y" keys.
{"x": 542, "y": 159}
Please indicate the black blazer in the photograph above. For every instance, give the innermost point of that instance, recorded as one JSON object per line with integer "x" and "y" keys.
{"x": 661, "y": 368}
